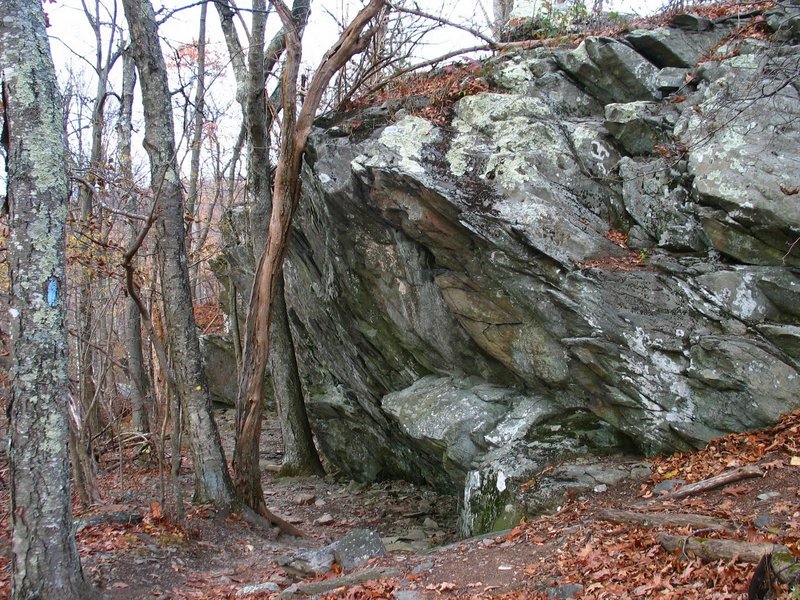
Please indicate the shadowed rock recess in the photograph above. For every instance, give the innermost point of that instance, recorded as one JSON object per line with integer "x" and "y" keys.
{"x": 599, "y": 257}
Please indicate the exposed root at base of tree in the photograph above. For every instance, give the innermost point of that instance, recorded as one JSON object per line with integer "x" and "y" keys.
{"x": 266, "y": 519}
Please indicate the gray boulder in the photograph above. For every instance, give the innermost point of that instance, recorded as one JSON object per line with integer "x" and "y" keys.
{"x": 675, "y": 47}
{"x": 355, "y": 549}
{"x": 219, "y": 361}
{"x": 637, "y": 126}
{"x": 672, "y": 79}
{"x": 691, "y": 22}
{"x": 516, "y": 294}
{"x": 745, "y": 173}
{"x": 660, "y": 205}
{"x": 611, "y": 71}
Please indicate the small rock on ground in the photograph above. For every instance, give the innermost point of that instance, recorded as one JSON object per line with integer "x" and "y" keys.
{"x": 258, "y": 588}
{"x": 569, "y": 590}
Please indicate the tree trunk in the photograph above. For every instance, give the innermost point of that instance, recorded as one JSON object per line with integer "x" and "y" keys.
{"x": 502, "y": 13}
{"x": 89, "y": 418}
{"x": 285, "y": 198}
{"x": 300, "y": 456}
{"x": 193, "y": 195}
{"x": 140, "y": 385}
{"x": 212, "y": 482}
{"x": 45, "y": 562}
{"x": 300, "y": 450}
{"x": 246, "y": 456}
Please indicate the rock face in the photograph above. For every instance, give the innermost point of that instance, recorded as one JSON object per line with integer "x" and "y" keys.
{"x": 575, "y": 266}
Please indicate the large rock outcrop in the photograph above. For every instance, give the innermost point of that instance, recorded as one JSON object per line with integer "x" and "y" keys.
{"x": 575, "y": 266}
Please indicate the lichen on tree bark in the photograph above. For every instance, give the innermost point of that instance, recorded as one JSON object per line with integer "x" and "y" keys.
{"x": 45, "y": 562}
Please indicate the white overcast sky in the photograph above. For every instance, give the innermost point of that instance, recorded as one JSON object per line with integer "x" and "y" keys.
{"x": 73, "y": 39}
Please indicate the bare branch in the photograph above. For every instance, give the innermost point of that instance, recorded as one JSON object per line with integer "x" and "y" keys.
{"x": 411, "y": 11}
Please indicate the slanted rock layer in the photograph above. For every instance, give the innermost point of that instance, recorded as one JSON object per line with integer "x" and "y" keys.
{"x": 599, "y": 256}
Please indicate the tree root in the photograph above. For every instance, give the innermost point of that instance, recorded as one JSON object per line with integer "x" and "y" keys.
{"x": 661, "y": 519}
{"x": 266, "y": 519}
{"x": 783, "y": 563}
{"x": 725, "y": 478}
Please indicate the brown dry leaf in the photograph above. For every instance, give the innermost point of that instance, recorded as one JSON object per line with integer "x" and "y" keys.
{"x": 795, "y": 461}
{"x": 586, "y": 550}
{"x": 790, "y": 191}
{"x": 445, "y": 586}
{"x": 736, "y": 490}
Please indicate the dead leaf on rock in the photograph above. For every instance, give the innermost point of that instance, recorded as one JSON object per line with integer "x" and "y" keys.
{"x": 790, "y": 191}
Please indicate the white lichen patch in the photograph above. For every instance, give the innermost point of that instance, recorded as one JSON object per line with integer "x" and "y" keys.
{"x": 515, "y": 124}
{"x": 400, "y": 147}
{"x": 515, "y": 75}
{"x": 589, "y": 141}
{"x": 659, "y": 379}
{"x": 743, "y": 300}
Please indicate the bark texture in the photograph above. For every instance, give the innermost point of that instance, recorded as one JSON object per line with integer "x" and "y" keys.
{"x": 212, "y": 482}
{"x": 45, "y": 561}
{"x": 295, "y": 129}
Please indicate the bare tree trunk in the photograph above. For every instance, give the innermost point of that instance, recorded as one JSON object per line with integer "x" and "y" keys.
{"x": 300, "y": 456}
{"x": 193, "y": 195}
{"x": 212, "y": 482}
{"x": 251, "y": 82}
{"x": 140, "y": 384}
{"x": 45, "y": 562}
{"x": 246, "y": 460}
{"x": 89, "y": 418}
{"x": 285, "y": 198}
{"x": 502, "y": 13}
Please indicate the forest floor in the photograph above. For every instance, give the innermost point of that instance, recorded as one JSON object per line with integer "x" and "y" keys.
{"x": 581, "y": 551}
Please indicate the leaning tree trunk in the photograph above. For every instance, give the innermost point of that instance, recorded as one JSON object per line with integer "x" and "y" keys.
{"x": 212, "y": 481}
{"x": 300, "y": 456}
{"x": 295, "y": 130}
{"x": 44, "y": 556}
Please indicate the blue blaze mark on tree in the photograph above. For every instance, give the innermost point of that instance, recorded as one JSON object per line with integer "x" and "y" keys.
{"x": 52, "y": 291}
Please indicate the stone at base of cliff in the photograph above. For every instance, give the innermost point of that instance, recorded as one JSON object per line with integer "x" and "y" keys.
{"x": 533, "y": 475}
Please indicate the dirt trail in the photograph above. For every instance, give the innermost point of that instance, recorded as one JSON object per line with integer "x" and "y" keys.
{"x": 577, "y": 552}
